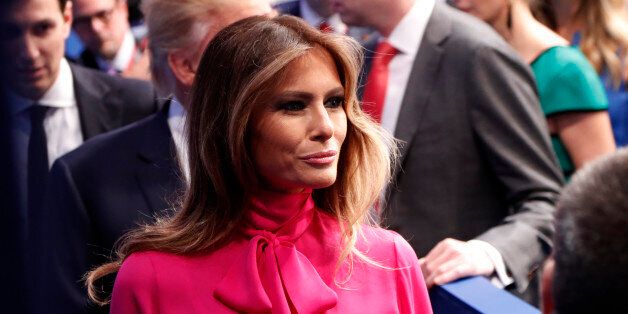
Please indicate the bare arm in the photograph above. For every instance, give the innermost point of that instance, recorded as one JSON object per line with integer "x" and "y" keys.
{"x": 586, "y": 135}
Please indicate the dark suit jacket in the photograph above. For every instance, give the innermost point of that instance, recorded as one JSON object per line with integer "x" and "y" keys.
{"x": 289, "y": 7}
{"x": 12, "y": 291}
{"x": 104, "y": 103}
{"x": 97, "y": 193}
{"x": 108, "y": 102}
{"x": 476, "y": 160}
{"x": 87, "y": 59}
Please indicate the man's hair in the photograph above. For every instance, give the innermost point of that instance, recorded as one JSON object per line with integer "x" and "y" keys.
{"x": 174, "y": 25}
{"x": 62, "y": 4}
{"x": 591, "y": 240}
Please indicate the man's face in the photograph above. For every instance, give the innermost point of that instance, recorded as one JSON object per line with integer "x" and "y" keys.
{"x": 101, "y": 25}
{"x": 32, "y": 37}
{"x": 359, "y": 12}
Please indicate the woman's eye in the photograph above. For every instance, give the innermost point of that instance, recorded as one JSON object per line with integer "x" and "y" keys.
{"x": 334, "y": 102}
{"x": 292, "y": 106}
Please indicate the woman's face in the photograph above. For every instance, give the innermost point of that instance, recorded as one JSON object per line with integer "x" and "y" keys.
{"x": 489, "y": 11}
{"x": 298, "y": 134}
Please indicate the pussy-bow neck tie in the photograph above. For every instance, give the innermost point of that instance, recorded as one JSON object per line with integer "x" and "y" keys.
{"x": 273, "y": 276}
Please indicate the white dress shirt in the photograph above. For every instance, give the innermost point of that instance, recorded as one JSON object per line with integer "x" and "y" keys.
{"x": 406, "y": 38}
{"x": 176, "y": 123}
{"x": 124, "y": 57}
{"x": 62, "y": 123}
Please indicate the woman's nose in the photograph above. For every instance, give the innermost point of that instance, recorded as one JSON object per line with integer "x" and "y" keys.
{"x": 322, "y": 125}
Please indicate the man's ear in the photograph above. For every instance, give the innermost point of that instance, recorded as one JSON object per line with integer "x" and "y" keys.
{"x": 547, "y": 281}
{"x": 67, "y": 19}
{"x": 181, "y": 66}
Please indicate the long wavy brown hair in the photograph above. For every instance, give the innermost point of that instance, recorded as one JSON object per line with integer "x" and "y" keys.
{"x": 239, "y": 70}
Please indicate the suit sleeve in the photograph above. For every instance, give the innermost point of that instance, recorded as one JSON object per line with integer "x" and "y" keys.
{"x": 63, "y": 242}
{"x": 513, "y": 134}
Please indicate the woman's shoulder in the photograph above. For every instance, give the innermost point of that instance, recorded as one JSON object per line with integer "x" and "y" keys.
{"x": 140, "y": 268}
{"x": 562, "y": 61}
{"x": 148, "y": 258}
{"x": 382, "y": 244}
{"x": 135, "y": 282}
{"x": 567, "y": 81}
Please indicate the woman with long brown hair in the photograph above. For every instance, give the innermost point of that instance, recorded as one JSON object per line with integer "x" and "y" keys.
{"x": 571, "y": 94}
{"x": 284, "y": 170}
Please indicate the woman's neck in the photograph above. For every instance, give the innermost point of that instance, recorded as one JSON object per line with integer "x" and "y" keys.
{"x": 528, "y": 36}
{"x": 566, "y": 20}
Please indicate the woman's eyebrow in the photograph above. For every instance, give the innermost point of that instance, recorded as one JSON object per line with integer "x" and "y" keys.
{"x": 335, "y": 92}
{"x": 307, "y": 95}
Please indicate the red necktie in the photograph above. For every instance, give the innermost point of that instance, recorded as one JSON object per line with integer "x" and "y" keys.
{"x": 325, "y": 27}
{"x": 377, "y": 81}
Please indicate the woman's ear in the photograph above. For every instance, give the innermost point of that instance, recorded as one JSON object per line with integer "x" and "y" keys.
{"x": 181, "y": 66}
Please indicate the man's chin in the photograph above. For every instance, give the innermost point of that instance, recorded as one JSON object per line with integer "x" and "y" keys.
{"x": 31, "y": 90}
{"x": 108, "y": 51}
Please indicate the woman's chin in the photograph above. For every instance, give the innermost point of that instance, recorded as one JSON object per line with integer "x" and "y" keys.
{"x": 322, "y": 183}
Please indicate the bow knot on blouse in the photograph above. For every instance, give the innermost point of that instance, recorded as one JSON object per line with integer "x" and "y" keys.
{"x": 272, "y": 275}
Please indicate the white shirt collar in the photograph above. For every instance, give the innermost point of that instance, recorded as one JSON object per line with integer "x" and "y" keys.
{"x": 123, "y": 57}
{"x": 407, "y": 35}
{"x": 176, "y": 110}
{"x": 176, "y": 123}
{"x": 312, "y": 18}
{"x": 59, "y": 95}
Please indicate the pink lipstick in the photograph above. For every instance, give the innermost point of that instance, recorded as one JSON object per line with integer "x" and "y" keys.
{"x": 320, "y": 158}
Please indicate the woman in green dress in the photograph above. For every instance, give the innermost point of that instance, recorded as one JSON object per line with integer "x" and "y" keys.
{"x": 571, "y": 94}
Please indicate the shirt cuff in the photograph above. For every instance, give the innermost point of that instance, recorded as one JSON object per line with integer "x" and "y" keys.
{"x": 500, "y": 278}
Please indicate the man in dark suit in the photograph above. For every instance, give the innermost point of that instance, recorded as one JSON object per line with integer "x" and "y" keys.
{"x": 477, "y": 180}
{"x": 110, "y": 46}
{"x": 90, "y": 206}
{"x": 51, "y": 107}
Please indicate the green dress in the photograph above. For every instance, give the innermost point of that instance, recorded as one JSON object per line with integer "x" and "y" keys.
{"x": 567, "y": 82}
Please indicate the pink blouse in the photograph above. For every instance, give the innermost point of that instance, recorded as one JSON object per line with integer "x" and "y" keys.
{"x": 284, "y": 261}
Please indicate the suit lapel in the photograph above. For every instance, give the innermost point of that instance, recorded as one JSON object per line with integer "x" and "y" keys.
{"x": 422, "y": 78}
{"x": 159, "y": 177}
{"x": 98, "y": 110}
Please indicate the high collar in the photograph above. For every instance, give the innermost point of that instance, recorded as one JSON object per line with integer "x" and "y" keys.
{"x": 270, "y": 210}
{"x": 272, "y": 275}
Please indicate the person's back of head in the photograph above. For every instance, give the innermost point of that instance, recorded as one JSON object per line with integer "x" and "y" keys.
{"x": 591, "y": 240}
{"x": 180, "y": 30}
